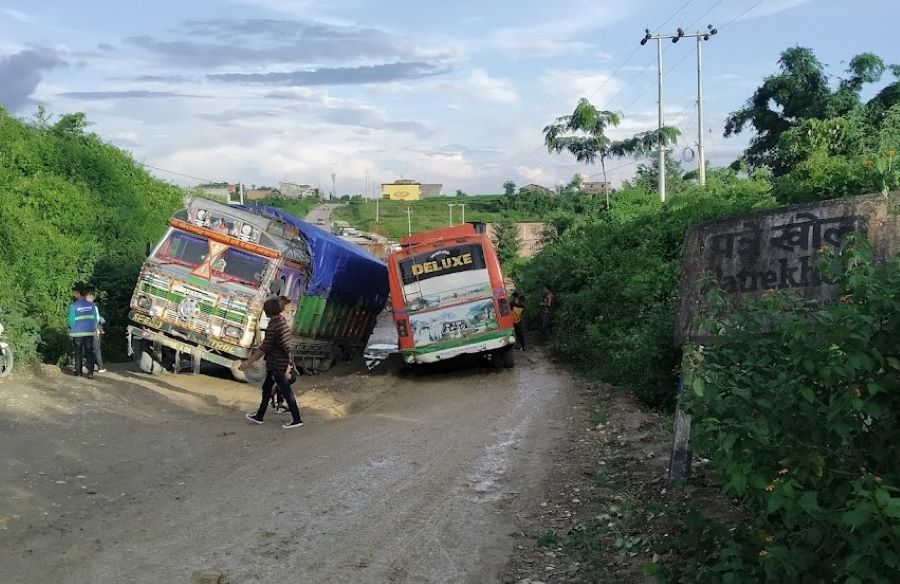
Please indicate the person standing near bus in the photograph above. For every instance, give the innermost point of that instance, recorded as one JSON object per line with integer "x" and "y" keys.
{"x": 518, "y": 307}
{"x": 83, "y": 325}
{"x": 276, "y": 348}
{"x": 547, "y": 306}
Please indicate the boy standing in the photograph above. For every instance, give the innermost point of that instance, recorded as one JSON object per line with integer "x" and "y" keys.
{"x": 83, "y": 325}
{"x": 98, "y": 355}
{"x": 277, "y": 349}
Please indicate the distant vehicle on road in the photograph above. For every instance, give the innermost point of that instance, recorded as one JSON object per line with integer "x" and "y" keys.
{"x": 449, "y": 299}
{"x": 320, "y": 221}
{"x": 200, "y": 293}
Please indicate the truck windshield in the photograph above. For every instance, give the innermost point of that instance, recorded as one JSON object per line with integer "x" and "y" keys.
{"x": 233, "y": 265}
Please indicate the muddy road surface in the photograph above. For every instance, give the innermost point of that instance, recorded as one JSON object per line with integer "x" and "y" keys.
{"x": 131, "y": 478}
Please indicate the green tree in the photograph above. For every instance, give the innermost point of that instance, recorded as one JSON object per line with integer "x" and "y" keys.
{"x": 647, "y": 176}
{"x": 509, "y": 188}
{"x": 583, "y": 134}
{"x": 506, "y": 240}
{"x": 800, "y": 92}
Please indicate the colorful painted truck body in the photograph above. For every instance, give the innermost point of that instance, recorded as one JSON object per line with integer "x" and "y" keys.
{"x": 448, "y": 297}
{"x": 200, "y": 292}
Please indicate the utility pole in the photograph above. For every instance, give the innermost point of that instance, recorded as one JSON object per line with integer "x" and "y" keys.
{"x": 463, "y": 207}
{"x": 366, "y": 195}
{"x": 661, "y": 175}
{"x": 333, "y": 191}
{"x": 408, "y": 221}
{"x": 701, "y": 155}
{"x": 377, "y": 199}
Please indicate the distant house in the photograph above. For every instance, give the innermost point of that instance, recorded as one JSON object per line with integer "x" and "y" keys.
{"x": 257, "y": 194}
{"x": 431, "y": 190}
{"x": 402, "y": 190}
{"x": 531, "y": 235}
{"x": 292, "y": 190}
{"x": 539, "y": 189}
{"x": 595, "y": 188}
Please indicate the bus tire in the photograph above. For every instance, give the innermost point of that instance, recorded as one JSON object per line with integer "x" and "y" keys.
{"x": 509, "y": 358}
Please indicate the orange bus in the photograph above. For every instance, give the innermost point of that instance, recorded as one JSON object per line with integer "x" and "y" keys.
{"x": 449, "y": 299}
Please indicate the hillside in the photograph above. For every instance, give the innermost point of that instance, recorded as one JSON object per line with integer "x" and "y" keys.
{"x": 74, "y": 209}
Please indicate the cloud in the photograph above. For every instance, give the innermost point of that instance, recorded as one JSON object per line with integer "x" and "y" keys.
{"x": 336, "y": 75}
{"x": 161, "y": 78}
{"x": 769, "y": 8}
{"x": 571, "y": 84}
{"x": 537, "y": 175}
{"x": 368, "y": 117}
{"x": 213, "y": 43}
{"x": 21, "y": 73}
{"x": 125, "y": 94}
{"x": 480, "y": 84}
{"x": 106, "y": 47}
{"x": 18, "y": 16}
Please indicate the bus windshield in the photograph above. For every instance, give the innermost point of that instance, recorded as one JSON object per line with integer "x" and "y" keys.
{"x": 450, "y": 275}
{"x": 233, "y": 265}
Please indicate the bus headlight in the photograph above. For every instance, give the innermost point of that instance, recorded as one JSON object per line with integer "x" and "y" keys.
{"x": 144, "y": 302}
{"x": 233, "y": 332}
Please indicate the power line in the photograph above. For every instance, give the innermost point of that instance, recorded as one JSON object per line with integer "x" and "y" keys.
{"x": 674, "y": 14}
{"x": 744, "y": 13}
{"x": 205, "y": 180}
{"x": 635, "y": 50}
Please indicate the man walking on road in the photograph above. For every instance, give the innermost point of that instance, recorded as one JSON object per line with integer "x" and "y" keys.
{"x": 277, "y": 349}
{"x": 83, "y": 325}
{"x": 547, "y": 306}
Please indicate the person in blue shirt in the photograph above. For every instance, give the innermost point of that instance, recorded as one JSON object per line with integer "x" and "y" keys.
{"x": 84, "y": 322}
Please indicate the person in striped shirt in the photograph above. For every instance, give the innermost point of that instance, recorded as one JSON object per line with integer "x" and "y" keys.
{"x": 276, "y": 348}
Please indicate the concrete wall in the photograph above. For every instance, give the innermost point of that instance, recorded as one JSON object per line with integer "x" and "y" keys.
{"x": 746, "y": 257}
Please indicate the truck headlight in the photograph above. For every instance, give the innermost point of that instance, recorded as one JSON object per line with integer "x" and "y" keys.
{"x": 144, "y": 302}
{"x": 233, "y": 332}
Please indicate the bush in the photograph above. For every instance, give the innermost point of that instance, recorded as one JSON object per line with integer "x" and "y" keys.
{"x": 73, "y": 209}
{"x": 799, "y": 408}
{"x": 617, "y": 276}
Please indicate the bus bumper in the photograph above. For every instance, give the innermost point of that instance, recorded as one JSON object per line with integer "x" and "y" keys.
{"x": 486, "y": 346}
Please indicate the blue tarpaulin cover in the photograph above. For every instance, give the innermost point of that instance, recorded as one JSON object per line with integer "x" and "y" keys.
{"x": 339, "y": 268}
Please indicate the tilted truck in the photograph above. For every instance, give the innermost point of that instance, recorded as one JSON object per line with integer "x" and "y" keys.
{"x": 200, "y": 292}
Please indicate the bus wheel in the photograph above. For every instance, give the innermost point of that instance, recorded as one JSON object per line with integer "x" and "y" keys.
{"x": 143, "y": 357}
{"x": 509, "y": 358}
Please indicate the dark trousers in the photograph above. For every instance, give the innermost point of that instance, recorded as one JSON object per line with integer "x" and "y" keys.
{"x": 273, "y": 377}
{"x": 545, "y": 326}
{"x": 84, "y": 350}
{"x": 520, "y": 335}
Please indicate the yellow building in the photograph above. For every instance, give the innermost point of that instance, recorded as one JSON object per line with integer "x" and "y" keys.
{"x": 402, "y": 190}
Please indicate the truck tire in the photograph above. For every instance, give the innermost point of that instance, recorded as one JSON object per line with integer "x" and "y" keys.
{"x": 142, "y": 352}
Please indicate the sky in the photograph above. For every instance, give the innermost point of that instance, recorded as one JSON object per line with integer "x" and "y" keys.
{"x": 261, "y": 91}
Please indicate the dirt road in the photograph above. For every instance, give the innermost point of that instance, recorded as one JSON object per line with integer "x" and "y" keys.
{"x": 136, "y": 479}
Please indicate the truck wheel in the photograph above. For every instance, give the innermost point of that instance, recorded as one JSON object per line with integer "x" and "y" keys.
{"x": 508, "y": 358}
{"x": 6, "y": 361}
{"x": 143, "y": 357}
